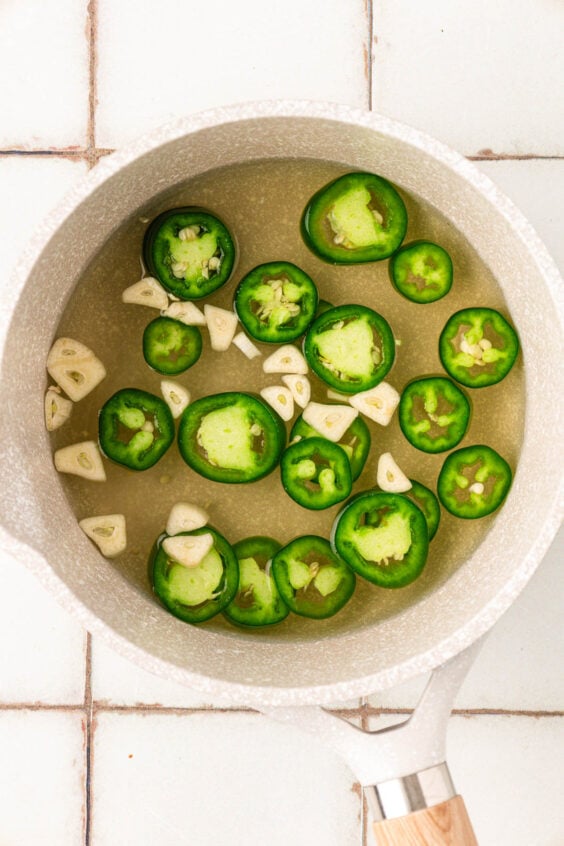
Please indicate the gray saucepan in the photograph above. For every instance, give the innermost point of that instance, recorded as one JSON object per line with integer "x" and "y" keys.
{"x": 38, "y": 525}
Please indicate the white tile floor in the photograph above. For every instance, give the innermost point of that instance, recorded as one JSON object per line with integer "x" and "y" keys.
{"x": 480, "y": 76}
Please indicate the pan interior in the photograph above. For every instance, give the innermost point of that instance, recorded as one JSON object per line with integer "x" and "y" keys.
{"x": 262, "y": 203}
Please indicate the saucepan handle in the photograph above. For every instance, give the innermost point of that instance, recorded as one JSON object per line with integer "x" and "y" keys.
{"x": 446, "y": 824}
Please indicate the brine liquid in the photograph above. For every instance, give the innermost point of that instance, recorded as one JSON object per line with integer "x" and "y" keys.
{"x": 262, "y": 204}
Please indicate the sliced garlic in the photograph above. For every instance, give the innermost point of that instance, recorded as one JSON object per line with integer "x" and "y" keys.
{"x": 74, "y": 367}
{"x": 280, "y": 399}
{"x": 188, "y": 550}
{"x": 286, "y": 359}
{"x": 81, "y": 459}
{"x": 243, "y": 343}
{"x": 378, "y": 403}
{"x": 176, "y": 396}
{"x": 300, "y": 388}
{"x": 335, "y": 395}
{"x": 331, "y": 421}
{"x": 222, "y": 325}
{"x": 185, "y": 517}
{"x": 389, "y": 476}
{"x": 57, "y": 409}
{"x": 107, "y": 532}
{"x": 147, "y": 292}
{"x": 185, "y": 312}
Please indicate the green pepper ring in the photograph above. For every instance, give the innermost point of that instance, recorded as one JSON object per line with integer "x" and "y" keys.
{"x": 298, "y": 489}
{"x": 475, "y": 506}
{"x": 158, "y": 567}
{"x": 256, "y": 614}
{"x": 119, "y": 450}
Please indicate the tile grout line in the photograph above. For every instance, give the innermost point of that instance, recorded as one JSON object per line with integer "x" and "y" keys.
{"x": 92, "y": 35}
{"x": 363, "y": 712}
{"x": 369, "y": 49}
{"x": 89, "y": 751}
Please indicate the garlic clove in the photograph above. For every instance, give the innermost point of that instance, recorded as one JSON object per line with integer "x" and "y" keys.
{"x": 222, "y": 325}
{"x": 185, "y": 312}
{"x": 82, "y": 459}
{"x": 176, "y": 396}
{"x": 188, "y": 550}
{"x": 378, "y": 403}
{"x": 280, "y": 399}
{"x": 286, "y": 359}
{"x": 147, "y": 292}
{"x": 185, "y": 517}
{"x": 389, "y": 476}
{"x": 74, "y": 367}
{"x": 300, "y": 388}
{"x": 243, "y": 343}
{"x": 331, "y": 420}
{"x": 108, "y": 533}
{"x": 57, "y": 409}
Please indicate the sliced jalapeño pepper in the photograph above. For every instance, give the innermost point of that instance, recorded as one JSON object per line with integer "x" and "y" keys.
{"x": 355, "y": 441}
{"x": 231, "y": 437}
{"x": 350, "y": 347}
{"x": 426, "y": 500}
{"x": 421, "y": 271}
{"x": 358, "y": 217}
{"x": 189, "y": 251}
{"x": 276, "y": 302}
{"x": 473, "y": 481}
{"x": 383, "y": 537}
{"x": 434, "y": 414}
{"x": 196, "y": 594}
{"x": 313, "y": 581}
{"x": 478, "y": 347}
{"x": 135, "y": 428}
{"x": 170, "y": 346}
{"x": 316, "y": 473}
{"x": 257, "y": 601}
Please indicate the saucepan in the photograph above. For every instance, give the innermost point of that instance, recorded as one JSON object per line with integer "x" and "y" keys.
{"x": 289, "y": 676}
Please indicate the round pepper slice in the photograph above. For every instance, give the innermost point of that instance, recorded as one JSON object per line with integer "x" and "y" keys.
{"x": 358, "y": 217}
{"x": 426, "y": 500}
{"x": 189, "y": 251}
{"x": 434, "y": 414}
{"x": 355, "y": 441}
{"x": 316, "y": 473}
{"x": 383, "y": 537}
{"x": 421, "y": 271}
{"x": 276, "y": 302}
{"x": 312, "y": 580}
{"x": 350, "y": 347}
{"x": 231, "y": 437}
{"x": 135, "y": 428}
{"x": 478, "y": 347}
{"x": 170, "y": 346}
{"x": 196, "y": 594}
{"x": 473, "y": 481}
{"x": 257, "y": 601}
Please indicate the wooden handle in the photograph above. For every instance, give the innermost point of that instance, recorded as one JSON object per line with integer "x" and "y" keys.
{"x": 446, "y": 824}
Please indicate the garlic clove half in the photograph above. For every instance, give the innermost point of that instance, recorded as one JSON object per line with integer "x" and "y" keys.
{"x": 108, "y": 533}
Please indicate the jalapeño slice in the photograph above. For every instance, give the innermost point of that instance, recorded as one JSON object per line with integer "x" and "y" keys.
{"x": 196, "y": 594}
{"x": 350, "y": 347}
{"x": 473, "y": 481}
{"x": 276, "y": 302}
{"x": 313, "y": 581}
{"x": 170, "y": 346}
{"x": 189, "y": 251}
{"x": 135, "y": 428}
{"x": 257, "y": 601}
{"x": 316, "y": 473}
{"x": 421, "y": 271}
{"x": 434, "y": 414}
{"x": 383, "y": 537}
{"x": 478, "y": 347}
{"x": 356, "y": 218}
{"x": 426, "y": 500}
{"x": 355, "y": 441}
{"x": 231, "y": 437}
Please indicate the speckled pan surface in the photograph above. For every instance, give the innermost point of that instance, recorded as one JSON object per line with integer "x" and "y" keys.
{"x": 39, "y": 526}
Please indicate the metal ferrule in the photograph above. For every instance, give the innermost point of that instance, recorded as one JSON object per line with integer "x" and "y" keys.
{"x": 401, "y": 796}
